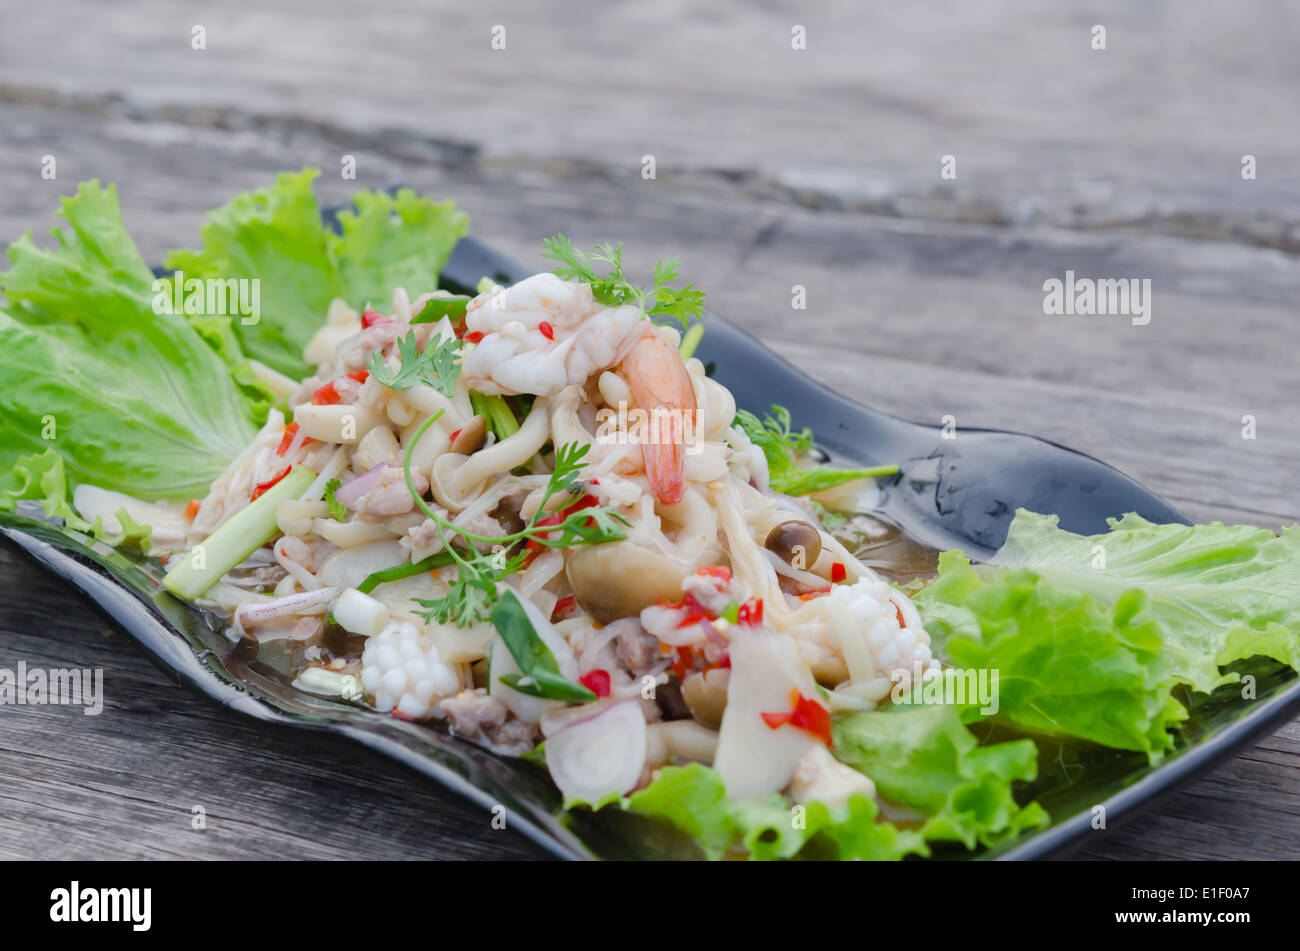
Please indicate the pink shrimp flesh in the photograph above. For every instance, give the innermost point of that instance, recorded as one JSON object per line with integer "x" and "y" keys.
{"x": 661, "y": 386}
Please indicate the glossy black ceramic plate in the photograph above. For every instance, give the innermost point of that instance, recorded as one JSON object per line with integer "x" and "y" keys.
{"x": 951, "y": 493}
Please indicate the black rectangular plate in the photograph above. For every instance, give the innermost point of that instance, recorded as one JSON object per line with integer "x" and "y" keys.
{"x": 951, "y": 493}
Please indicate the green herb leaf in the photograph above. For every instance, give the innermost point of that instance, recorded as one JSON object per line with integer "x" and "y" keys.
{"x": 338, "y": 511}
{"x": 437, "y": 308}
{"x": 613, "y": 288}
{"x": 532, "y": 655}
{"x": 373, "y": 580}
{"x": 781, "y": 447}
{"x": 437, "y": 366}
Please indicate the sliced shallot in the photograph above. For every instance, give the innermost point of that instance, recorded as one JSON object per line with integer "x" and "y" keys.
{"x": 599, "y": 755}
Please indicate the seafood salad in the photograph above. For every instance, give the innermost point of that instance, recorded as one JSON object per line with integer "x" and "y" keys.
{"x": 527, "y": 516}
{"x": 531, "y": 515}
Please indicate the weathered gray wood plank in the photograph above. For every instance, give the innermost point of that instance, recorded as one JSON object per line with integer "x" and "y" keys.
{"x": 1147, "y": 134}
{"x": 124, "y": 783}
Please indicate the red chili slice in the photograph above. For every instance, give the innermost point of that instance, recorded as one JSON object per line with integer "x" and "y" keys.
{"x": 715, "y": 571}
{"x": 597, "y": 681}
{"x": 838, "y": 572}
{"x": 547, "y": 330}
{"x": 750, "y": 614}
{"x": 683, "y": 661}
{"x": 257, "y": 491}
{"x": 326, "y": 395}
{"x": 564, "y": 607}
{"x": 286, "y": 440}
{"x": 807, "y": 715}
{"x": 898, "y": 612}
{"x": 475, "y": 336}
{"x": 359, "y": 375}
{"x": 533, "y": 546}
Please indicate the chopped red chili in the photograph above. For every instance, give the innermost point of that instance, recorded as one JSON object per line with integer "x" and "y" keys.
{"x": 838, "y": 572}
{"x": 750, "y": 614}
{"x": 804, "y": 714}
{"x": 547, "y": 330}
{"x": 359, "y": 375}
{"x": 564, "y": 607}
{"x": 326, "y": 395}
{"x": 715, "y": 571}
{"x": 257, "y": 491}
{"x": 286, "y": 440}
{"x": 597, "y": 681}
{"x": 474, "y": 336}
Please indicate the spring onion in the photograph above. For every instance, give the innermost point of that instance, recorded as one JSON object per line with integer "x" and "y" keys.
{"x": 235, "y": 539}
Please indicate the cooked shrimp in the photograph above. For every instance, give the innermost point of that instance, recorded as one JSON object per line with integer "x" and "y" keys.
{"x": 539, "y": 336}
{"x": 660, "y": 385}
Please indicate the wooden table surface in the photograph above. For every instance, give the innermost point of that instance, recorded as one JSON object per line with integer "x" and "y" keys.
{"x": 774, "y": 167}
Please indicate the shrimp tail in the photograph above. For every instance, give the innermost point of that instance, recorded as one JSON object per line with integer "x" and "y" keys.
{"x": 661, "y": 386}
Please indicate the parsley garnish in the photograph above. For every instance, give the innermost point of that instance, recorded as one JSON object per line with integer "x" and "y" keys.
{"x": 436, "y": 367}
{"x": 472, "y": 595}
{"x": 338, "y": 511}
{"x": 613, "y": 289}
{"x": 781, "y": 446}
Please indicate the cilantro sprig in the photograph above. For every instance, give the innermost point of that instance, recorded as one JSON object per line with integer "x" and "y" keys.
{"x": 437, "y": 366}
{"x": 338, "y": 511}
{"x": 782, "y": 446}
{"x": 471, "y": 597}
{"x": 613, "y": 288}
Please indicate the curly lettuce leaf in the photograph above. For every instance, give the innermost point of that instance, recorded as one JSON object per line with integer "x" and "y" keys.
{"x": 1066, "y": 662}
{"x": 275, "y": 234}
{"x": 394, "y": 240}
{"x": 40, "y": 478}
{"x": 924, "y": 758}
{"x": 131, "y": 400}
{"x": 1214, "y": 593}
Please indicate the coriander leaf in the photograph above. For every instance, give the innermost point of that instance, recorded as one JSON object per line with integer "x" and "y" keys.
{"x": 532, "y": 655}
{"x": 781, "y": 447}
{"x": 338, "y": 511}
{"x": 613, "y": 288}
{"x": 437, "y": 366}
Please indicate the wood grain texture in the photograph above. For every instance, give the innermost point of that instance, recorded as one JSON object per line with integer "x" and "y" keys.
{"x": 775, "y": 168}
